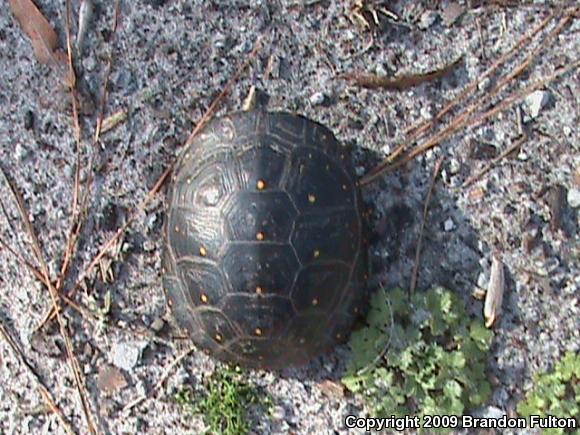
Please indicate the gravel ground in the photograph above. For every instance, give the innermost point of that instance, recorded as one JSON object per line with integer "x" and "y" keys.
{"x": 171, "y": 59}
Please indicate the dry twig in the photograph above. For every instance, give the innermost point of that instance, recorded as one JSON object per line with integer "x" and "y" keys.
{"x": 44, "y": 392}
{"x": 415, "y": 273}
{"x": 518, "y": 143}
{"x": 468, "y": 118}
{"x": 373, "y": 81}
{"x": 160, "y": 382}
{"x": 39, "y": 256}
{"x": 418, "y": 130}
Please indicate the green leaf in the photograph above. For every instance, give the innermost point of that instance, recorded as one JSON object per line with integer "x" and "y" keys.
{"x": 480, "y": 335}
{"x": 436, "y": 360}
{"x": 452, "y": 389}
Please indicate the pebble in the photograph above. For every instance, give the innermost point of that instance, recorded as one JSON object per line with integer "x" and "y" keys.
{"x": 126, "y": 354}
{"x": 490, "y": 412}
{"x": 426, "y": 113}
{"x": 449, "y": 225}
{"x": 427, "y": 19}
{"x": 148, "y": 246}
{"x": 574, "y": 198}
{"x": 482, "y": 280}
{"x": 20, "y": 152}
{"x": 485, "y": 84}
{"x": 278, "y": 413}
{"x": 535, "y": 102}
{"x": 454, "y": 166}
{"x": 157, "y": 325}
{"x": 317, "y": 98}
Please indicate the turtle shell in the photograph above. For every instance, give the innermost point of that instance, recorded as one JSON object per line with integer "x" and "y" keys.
{"x": 265, "y": 258}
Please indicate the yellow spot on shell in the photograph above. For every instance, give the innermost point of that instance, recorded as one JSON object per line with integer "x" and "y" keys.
{"x": 338, "y": 336}
{"x": 218, "y": 338}
{"x": 302, "y": 340}
{"x": 204, "y": 298}
{"x": 315, "y": 301}
{"x": 261, "y": 185}
{"x": 311, "y": 198}
{"x": 316, "y": 253}
{"x": 258, "y": 331}
{"x": 260, "y": 236}
{"x": 202, "y": 251}
{"x": 259, "y": 290}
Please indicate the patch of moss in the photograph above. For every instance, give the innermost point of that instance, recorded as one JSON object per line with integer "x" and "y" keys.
{"x": 555, "y": 393}
{"x": 224, "y": 402}
{"x": 435, "y": 359}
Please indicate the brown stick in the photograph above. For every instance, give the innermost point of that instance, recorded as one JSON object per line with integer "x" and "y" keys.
{"x": 373, "y": 81}
{"x": 415, "y": 273}
{"x": 466, "y": 118}
{"x": 418, "y": 130}
{"x": 45, "y": 393}
{"x": 160, "y": 382}
{"x": 491, "y": 164}
{"x": 37, "y": 251}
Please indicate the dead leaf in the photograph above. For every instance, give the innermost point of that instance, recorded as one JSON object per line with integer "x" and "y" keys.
{"x": 111, "y": 121}
{"x": 331, "y": 389}
{"x": 36, "y": 26}
{"x": 373, "y": 81}
{"x": 495, "y": 290}
{"x": 43, "y": 37}
{"x": 556, "y": 201}
{"x": 476, "y": 194}
{"x": 110, "y": 379}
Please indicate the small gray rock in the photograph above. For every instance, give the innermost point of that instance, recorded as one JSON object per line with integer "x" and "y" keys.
{"x": 482, "y": 280}
{"x": 317, "y": 98}
{"x": 278, "y": 413}
{"x": 427, "y": 19}
{"x": 536, "y": 101}
{"x": 126, "y": 354}
{"x": 454, "y": 166}
{"x": 573, "y": 198}
{"x": 449, "y": 225}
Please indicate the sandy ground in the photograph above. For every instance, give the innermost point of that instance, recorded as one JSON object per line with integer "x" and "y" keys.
{"x": 171, "y": 58}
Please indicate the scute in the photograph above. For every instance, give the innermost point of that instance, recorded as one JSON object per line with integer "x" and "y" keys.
{"x": 260, "y": 267}
{"x": 265, "y": 259}
{"x": 330, "y": 235}
{"x": 317, "y": 181}
{"x": 319, "y": 287}
{"x": 203, "y": 280}
{"x": 262, "y": 162}
{"x": 269, "y": 215}
{"x": 257, "y": 316}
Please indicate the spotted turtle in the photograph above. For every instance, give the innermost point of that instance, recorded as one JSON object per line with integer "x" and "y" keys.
{"x": 265, "y": 258}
